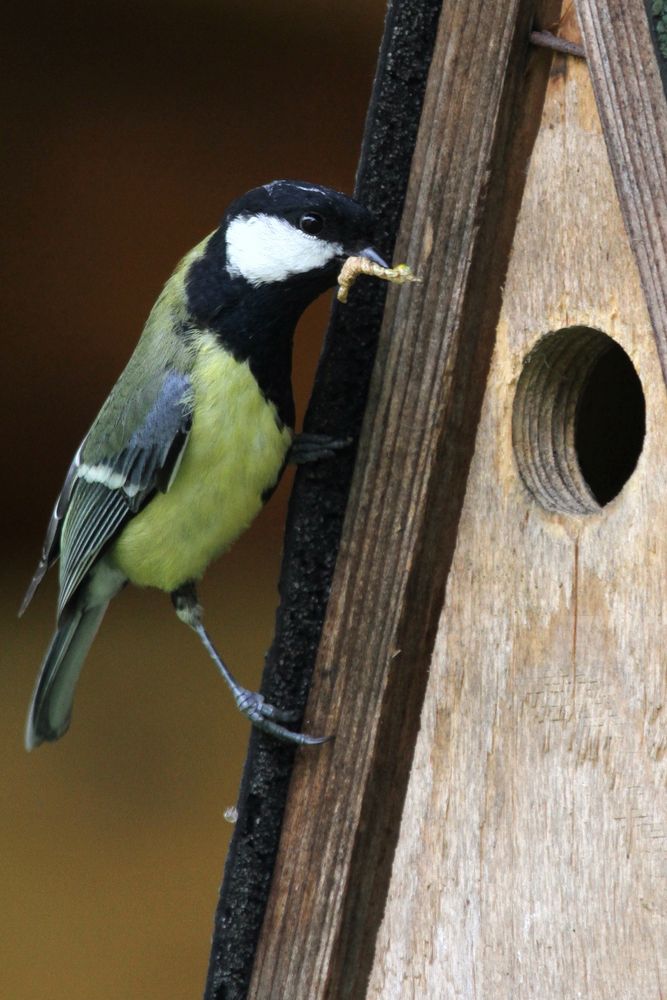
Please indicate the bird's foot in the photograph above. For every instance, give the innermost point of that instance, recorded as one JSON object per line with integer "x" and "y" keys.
{"x": 268, "y": 718}
{"x": 253, "y": 705}
{"x": 314, "y": 447}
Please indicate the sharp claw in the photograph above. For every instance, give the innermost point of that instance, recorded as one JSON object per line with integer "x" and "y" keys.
{"x": 288, "y": 735}
{"x": 267, "y": 717}
{"x": 315, "y": 447}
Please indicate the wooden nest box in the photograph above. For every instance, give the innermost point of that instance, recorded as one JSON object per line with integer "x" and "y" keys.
{"x": 490, "y": 821}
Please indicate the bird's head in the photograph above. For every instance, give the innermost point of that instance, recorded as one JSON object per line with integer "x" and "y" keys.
{"x": 297, "y": 233}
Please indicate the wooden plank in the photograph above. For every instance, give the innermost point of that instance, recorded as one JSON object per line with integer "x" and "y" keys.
{"x": 633, "y": 110}
{"x": 532, "y": 858}
{"x": 320, "y": 493}
{"x": 345, "y": 801}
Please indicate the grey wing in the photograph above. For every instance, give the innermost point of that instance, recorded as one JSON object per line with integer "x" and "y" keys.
{"x": 102, "y": 492}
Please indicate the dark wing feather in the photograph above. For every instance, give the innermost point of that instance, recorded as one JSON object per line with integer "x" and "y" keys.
{"x": 102, "y": 491}
{"x": 52, "y": 539}
{"x": 96, "y": 514}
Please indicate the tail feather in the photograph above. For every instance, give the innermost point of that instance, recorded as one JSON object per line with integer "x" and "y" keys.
{"x": 51, "y": 706}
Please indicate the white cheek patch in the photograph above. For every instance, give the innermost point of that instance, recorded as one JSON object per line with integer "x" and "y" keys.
{"x": 264, "y": 248}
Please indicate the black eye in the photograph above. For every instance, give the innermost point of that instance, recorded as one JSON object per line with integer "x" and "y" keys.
{"x": 311, "y": 223}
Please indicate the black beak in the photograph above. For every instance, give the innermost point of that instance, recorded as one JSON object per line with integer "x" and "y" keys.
{"x": 373, "y": 255}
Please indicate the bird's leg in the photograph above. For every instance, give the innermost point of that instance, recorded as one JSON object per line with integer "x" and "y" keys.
{"x": 252, "y": 704}
{"x": 313, "y": 447}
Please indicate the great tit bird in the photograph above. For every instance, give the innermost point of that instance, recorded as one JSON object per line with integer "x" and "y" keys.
{"x": 196, "y": 431}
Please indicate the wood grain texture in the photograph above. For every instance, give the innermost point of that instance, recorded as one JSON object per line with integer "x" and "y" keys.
{"x": 532, "y": 858}
{"x": 345, "y": 802}
{"x": 633, "y": 110}
{"x": 320, "y": 493}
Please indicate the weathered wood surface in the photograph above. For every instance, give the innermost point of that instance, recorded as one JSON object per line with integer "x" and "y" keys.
{"x": 633, "y": 109}
{"x": 532, "y": 858}
{"x": 319, "y": 495}
{"x": 345, "y": 801}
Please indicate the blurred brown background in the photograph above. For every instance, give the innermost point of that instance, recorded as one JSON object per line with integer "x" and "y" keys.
{"x": 128, "y": 128}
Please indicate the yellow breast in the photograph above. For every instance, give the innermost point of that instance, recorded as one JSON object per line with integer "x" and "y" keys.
{"x": 234, "y": 453}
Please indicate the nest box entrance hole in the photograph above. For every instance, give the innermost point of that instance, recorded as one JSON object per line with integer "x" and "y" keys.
{"x": 578, "y": 421}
